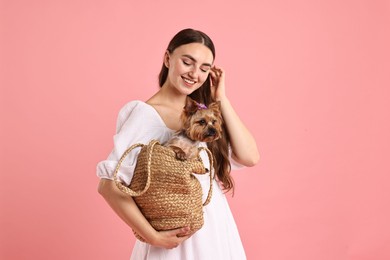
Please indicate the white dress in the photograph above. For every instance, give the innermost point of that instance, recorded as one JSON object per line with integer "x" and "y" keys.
{"x": 218, "y": 239}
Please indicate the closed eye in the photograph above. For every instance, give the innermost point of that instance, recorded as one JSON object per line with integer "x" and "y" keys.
{"x": 205, "y": 69}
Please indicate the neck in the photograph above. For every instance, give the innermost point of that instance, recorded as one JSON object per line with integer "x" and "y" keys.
{"x": 172, "y": 96}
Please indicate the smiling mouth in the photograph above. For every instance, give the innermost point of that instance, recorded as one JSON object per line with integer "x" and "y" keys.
{"x": 191, "y": 82}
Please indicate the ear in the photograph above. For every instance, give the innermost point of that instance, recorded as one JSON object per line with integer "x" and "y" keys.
{"x": 166, "y": 59}
{"x": 216, "y": 108}
{"x": 191, "y": 106}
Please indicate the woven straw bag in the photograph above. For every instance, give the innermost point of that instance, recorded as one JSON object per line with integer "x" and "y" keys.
{"x": 165, "y": 189}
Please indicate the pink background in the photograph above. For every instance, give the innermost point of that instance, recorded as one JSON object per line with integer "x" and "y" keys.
{"x": 311, "y": 79}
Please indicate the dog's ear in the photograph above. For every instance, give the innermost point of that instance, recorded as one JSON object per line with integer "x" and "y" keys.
{"x": 191, "y": 106}
{"x": 216, "y": 106}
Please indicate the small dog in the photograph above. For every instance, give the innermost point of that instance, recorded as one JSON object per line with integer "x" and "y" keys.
{"x": 199, "y": 124}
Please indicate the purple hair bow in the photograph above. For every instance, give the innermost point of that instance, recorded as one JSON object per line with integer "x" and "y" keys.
{"x": 201, "y": 106}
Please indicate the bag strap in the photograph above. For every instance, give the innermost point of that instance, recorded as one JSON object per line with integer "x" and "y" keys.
{"x": 211, "y": 160}
{"x": 126, "y": 189}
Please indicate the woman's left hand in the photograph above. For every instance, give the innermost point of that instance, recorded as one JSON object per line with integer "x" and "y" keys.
{"x": 217, "y": 80}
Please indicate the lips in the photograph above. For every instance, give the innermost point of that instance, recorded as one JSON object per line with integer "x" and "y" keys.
{"x": 188, "y": 81}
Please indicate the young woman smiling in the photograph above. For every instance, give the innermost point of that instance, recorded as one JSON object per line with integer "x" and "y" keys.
{"x": 188, "y": 70}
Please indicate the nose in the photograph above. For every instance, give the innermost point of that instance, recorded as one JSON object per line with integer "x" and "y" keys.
{"x": 193, "y": 72}
{"x": 211, "y": 131}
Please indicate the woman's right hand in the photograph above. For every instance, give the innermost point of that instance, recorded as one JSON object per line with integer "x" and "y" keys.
{"x": 127, "y": 209}
{"x": 171, "y": 238}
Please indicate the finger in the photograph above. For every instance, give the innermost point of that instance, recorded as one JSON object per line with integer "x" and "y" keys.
{"x": 218, "y": 71}
{"x": 184, "y": 234}
{"x": 212, "y": 82}
{"x": 173, "y": 245}
{"x": 183, "y": 238}
{"x": 212, "y": 73}
{"x": 180, "y": 231}
{"x": 215, "y": 75}
{"x": 216, "y": 68}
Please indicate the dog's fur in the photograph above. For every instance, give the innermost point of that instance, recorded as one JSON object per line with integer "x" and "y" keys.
{"x": 199, "y": 124}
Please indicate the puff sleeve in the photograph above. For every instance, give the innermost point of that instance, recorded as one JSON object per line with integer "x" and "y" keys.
{"x": 137, "y": 122}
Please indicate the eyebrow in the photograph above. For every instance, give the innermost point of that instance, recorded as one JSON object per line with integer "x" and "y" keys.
{"x": 194, "y": 60}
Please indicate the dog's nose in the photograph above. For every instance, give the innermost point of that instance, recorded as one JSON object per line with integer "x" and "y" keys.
{"x": 211, "y": 131}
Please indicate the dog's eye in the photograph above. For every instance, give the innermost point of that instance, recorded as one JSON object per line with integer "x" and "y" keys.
{"x": 202, "y": 122}
{"x": 214, "y": 121}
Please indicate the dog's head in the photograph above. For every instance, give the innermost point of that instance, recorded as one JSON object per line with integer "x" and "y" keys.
{"x": 201, "y": 123}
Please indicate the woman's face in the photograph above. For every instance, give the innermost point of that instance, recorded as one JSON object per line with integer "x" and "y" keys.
{"x": 188, "y": 67}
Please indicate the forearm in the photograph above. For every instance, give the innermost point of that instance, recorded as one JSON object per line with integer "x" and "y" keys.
{"x": 243, "y": 144}
{"x": 125, "y": 207}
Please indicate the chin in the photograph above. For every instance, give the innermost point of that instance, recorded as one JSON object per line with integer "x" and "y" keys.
{"x": 186, "y": 90}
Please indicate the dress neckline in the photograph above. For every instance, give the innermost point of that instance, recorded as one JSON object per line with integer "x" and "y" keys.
{"x": 158, "y": 115}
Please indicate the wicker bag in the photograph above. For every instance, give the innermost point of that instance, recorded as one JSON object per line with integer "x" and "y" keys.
{"x": 165, "y": 189}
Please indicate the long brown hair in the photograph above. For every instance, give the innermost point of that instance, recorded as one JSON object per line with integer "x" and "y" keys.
{"x": 219, "y": 148}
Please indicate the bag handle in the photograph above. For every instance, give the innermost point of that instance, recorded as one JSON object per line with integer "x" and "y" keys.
{"x": 126, "y": 189}
{"x": 211, "y": 160}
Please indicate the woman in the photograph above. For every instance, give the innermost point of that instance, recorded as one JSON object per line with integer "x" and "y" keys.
{"x": 187, "y": 69}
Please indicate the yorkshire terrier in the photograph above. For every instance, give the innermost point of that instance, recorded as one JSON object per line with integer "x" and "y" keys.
{"x": 199, "y": 124}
